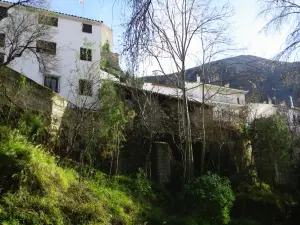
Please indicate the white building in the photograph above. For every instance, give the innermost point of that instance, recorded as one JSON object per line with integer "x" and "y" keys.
{"x": 291, "y": 114}
{"x": 75, "y": 46}
{"x": 221, "y": 98}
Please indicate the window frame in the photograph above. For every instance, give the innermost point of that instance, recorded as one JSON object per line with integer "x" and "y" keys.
{"x": 83, "y": 88}
{"x": 87, "y": 26}
{"x": 2, "y": 57}
{"x": 294, "y": 119}
{"x": 57, "y": 90}
{"x": 45, "y": 50}
{"x": 5, "y": 12}
{"x": 2, "y": 41}
{"x": 86, "y": 54}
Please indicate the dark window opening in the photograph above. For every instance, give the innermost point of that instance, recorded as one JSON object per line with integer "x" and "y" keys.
{"x": 2, "y": 56}
{"x": 52, "y": 82}
{"x": 294, "y": 118}
{"x": 3, "y": 12}
{"x": 87, "y": 28}
{"x": 191, "y": 108}
{"x": 86, "y": 54}
{"x": 2, "y": 40}
{"x": 238, "y": 100}
{"x": 85, "y": 87}
{"x": 48, "y": 20}
{"x": 46, "y": 47}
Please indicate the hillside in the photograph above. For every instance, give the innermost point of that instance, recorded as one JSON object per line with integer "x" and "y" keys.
{"x": 262, "y": 77}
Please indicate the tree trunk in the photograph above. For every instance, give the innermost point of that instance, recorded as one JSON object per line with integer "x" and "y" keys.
{"x": 203, "y": 129}
{"x": 187, "y": 131}
{"x": 148, "y": 155}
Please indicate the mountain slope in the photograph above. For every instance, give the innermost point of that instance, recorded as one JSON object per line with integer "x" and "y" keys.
{"x": 262, "y": 77}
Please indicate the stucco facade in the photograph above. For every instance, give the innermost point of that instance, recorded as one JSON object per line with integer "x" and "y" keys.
{"x": 69, "y": 37}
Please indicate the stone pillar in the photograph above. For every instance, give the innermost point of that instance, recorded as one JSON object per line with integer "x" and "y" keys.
{"x": 161, "y": 162}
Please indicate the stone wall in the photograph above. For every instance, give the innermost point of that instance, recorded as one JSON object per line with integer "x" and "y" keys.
{"x": 161, "y": 116}
{"x": 20, "y": 92}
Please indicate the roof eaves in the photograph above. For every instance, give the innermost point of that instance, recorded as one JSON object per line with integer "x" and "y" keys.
{"x": 53, "y": 11}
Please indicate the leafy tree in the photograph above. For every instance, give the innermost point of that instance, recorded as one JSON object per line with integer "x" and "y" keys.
{"x": 211, "y": 197}
{"x": 114, "y": 117}
{"x": 272, "y": 146}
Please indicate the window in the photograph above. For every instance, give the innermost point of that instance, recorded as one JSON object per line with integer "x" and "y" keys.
{"x": 2, "y": 40}
{"x": 85, "y": 87}
{"x": 86, "y": 54}
{"x": 87, "y": 28}
{"x": 238, "y": 100}
{"x": 48, "y": 20}
{"x": 3, "y": 12}
{"x": 294, "y": 118}
{"x": 46, "y": 47}
{"x": 2, "y": 56}
{"x": 52, "y": 82}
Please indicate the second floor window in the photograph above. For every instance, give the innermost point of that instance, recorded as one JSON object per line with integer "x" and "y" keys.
{"x": 85, "y": 87}
{"x": 48, "y": 20}
{"x": 87, "y": 28}
{"x": 238, "y": 100}
{"x": 52, "y": 82}
{"x": 86, "y": 54}
{"x": 3, "y": 12}
{"x": 46, "y": 47}
{"x": 2, "y": 40}
{"x": 2, "y": 57}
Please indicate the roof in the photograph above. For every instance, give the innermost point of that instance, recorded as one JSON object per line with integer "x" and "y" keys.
{"x": 212, "y": 85}
{"x": 52, "y": 11}
{"x": 156, "y": 93}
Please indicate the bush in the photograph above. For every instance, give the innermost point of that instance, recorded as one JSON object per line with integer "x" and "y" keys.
{"x": 211, "y": 197}
{"x": 260, "y": 202}
{"x": 244, "y": 222}
{"x": 32, "y": 126}
{"x": 143, "y": 186}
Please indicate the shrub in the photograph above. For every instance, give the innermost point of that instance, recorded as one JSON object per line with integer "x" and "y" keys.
{"x": 212, "y": 197}
{"x": 143, "y": 186}
{"x": 32, "y": 126}
{"x": 244, "y": 222}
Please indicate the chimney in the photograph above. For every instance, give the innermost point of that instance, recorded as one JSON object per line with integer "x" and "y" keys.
{"x": 269, "y": 100}
{"x": 291, "y": 102}
{"x": 274, "y": 100}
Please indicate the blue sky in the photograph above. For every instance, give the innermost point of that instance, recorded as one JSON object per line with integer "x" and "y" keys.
{"x": 111, "y": 13}
{"x": 246, "y": 25}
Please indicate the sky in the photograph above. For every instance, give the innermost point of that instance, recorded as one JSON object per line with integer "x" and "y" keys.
{"x": 246, "y": 23}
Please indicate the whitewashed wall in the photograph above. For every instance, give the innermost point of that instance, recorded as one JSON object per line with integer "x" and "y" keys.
{"x": 213, "y": 94}
{"x": 216, "y": 94}
{"x": 68, "y": 37}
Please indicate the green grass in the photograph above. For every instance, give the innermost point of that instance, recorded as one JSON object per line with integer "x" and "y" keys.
{"x": 35, "y": 190}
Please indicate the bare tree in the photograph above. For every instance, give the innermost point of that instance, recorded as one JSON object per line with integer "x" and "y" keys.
{"x": 20, "y": 33}
{"x": 214, "y": 41}
{"x": 287, "y": 13}
{"x": 168, "y": 30}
